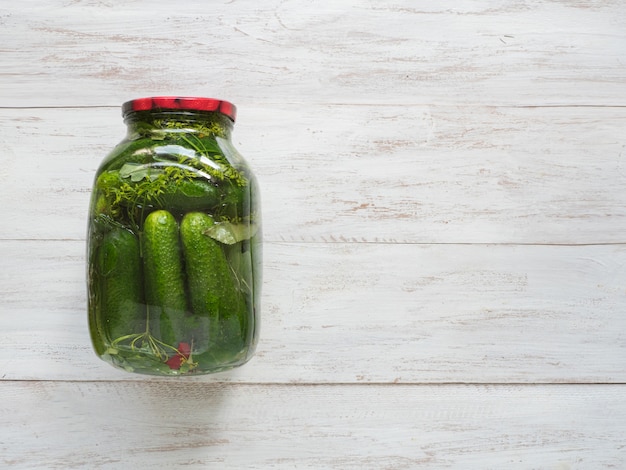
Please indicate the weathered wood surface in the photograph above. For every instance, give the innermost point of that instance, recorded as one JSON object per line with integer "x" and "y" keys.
{"x": 174, "y": 425}
{"x": 354, "y": 313}
{"x": 414, "y": 174}
{"x": 95, "y": 52}
{"x": 443, "y": 204}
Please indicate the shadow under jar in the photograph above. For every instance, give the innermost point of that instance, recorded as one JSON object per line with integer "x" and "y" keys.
{"x": 174, "y": 242}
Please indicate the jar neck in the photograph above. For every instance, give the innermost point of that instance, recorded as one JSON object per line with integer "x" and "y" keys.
{"x": 158, "y": 124}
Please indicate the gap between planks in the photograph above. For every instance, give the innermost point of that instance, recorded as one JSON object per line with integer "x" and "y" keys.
{"x": 382, "y": 105}
{"x": 192, "y": 381}
{"x": 353, "y": 241}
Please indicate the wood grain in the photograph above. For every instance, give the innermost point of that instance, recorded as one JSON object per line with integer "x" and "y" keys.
{"x": 356, "y": 313}
{"x": 413, "y": 174}
{"x": 174, "y": 425}
{"x": 444, "y": 221}
{"x": 85, "y": 53}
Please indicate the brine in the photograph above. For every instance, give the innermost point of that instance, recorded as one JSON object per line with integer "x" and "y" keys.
{"x": 174, "y": 247}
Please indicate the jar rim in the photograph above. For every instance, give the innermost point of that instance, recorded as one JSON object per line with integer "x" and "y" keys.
{"x": 186, "y": 103}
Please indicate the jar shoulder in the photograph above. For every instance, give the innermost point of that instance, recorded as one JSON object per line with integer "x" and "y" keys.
{"x": 211, "y": 153}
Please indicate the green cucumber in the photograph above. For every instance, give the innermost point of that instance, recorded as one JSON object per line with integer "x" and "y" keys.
{"x": 121, "y": 295}
{"x": 189, "y": 195}
{"x": 212, "y": 287}
{"x": 164, "y": 277}
{"x": 178, "y": 196}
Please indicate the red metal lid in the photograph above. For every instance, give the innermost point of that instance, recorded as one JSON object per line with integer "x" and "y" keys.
{"x": 188, "y": 103}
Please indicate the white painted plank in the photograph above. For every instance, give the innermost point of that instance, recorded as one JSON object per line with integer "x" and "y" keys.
{"x": 182, "y": 425}
{"x": 60, "y": 53}
{"x": 353, "y": 313}
{"x": 427, "y": 174}
{"x": 381, "y": 133}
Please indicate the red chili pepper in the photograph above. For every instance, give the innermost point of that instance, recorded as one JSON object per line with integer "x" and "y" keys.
{"x": 177, "y": 360}
{"x": 184, "y": 349}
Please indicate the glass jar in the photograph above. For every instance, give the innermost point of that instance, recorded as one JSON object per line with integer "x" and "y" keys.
{"x": 174, "y": 242}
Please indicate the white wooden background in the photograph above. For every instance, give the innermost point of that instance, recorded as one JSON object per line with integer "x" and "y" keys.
{"x": 444, "y": 218}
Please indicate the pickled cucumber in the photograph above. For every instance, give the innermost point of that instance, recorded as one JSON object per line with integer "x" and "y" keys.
{"x": 212, "y": 286}
{"x": 121, "y": 293}
{"x": 164, "y": 277}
